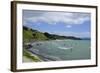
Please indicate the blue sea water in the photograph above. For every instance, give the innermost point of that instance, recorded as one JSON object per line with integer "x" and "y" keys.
{"x": 64, "y": 49}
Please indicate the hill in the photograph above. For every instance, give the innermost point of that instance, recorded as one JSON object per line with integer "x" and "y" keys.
{"x": 35, "y": 35}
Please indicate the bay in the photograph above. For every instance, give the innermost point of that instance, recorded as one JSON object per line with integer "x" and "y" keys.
{"x": 63, "y": 49}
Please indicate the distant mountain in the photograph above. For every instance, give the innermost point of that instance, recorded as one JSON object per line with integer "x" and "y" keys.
{"x": 32, "y": 34}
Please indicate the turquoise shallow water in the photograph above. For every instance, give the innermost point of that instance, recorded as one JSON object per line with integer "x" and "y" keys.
{"x": 65, "y": 49}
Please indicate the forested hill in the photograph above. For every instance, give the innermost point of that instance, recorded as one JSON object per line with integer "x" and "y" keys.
{"x": 32, "y": 34}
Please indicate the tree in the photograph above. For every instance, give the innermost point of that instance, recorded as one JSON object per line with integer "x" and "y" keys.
{"x": 25, "y": 28}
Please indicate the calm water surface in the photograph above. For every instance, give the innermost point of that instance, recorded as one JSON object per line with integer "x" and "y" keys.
{"x": 64, "y": 49}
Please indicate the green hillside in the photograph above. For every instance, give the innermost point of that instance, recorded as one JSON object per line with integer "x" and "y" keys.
{"x": 27, "y": 35}
{"x": 39, "y": 36}
{"x": 30, "y": 34}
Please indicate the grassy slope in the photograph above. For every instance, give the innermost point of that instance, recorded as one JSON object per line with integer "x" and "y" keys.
{"x": 30, "y": 56}
{"x": 28, "y": 36}
{"x": 39, "y": 36}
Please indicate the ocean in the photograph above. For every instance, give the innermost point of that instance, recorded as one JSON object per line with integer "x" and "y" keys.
{"x": 60, "y": 50}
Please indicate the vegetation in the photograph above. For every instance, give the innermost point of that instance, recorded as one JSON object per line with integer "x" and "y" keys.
{"x": 31, "y": 34}
{"x": 53, "y": 36}
{"x": 39, "y": 36}
{"x": 30, "y": 56}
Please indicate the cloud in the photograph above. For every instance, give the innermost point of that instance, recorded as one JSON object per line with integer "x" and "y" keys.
{"x": 56, "y": 17}
{"x": 68, "y": 26}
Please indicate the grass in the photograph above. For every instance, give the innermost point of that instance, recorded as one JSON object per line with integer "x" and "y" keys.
{"x": 30, "y": 56}
{"x": 27, "y": 35}
{"x": 30, "y": 35}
